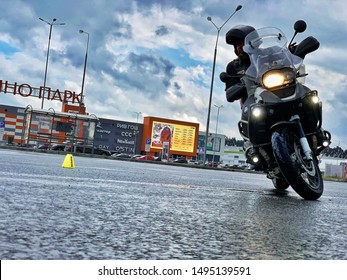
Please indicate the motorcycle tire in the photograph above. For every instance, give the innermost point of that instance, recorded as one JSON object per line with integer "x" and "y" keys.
{"x": 303, "y": 175}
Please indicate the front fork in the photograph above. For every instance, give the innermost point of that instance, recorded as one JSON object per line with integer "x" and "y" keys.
{"x": 303, "y": 140}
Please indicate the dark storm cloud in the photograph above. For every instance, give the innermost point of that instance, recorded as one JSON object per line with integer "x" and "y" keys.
{"x": 177, "y": 86}
{"x": 149, "y": 74}
{"x": 56, "y": 56}
{"x": 181, "y": 5}
{"x": 18, "y": 22}
{"x": 99, "y": 57}
{"x": 177, "y": 90}
{"x": 161, "y": 30}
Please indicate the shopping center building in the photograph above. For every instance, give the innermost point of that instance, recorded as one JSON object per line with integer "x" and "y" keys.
{"x": 33, "y": 127}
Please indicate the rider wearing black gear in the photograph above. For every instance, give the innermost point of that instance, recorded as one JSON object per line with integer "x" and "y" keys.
{"x": 235, "y": 89}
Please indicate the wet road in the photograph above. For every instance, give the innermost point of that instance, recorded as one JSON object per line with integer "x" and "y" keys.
{"x": 109, "y": 209}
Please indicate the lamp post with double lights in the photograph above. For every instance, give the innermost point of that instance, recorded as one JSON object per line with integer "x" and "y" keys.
{"x": 239, "y": 7}
{"x": 49, "y": 44}
{"x": 215, "y": 137}
{"x": 137, "y": 116}
{"x": 84, "y": 70}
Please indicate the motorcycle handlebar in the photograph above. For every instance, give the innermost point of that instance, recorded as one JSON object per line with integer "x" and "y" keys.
{"x": 308, "y": 45}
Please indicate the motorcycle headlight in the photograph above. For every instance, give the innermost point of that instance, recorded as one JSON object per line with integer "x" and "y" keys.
{"x": 315, "y": 99}
{"x": 257, "y": 112}
{"x": 277, "y": 78}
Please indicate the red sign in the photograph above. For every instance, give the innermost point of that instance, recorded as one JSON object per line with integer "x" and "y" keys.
{"x": 26, "y": 90}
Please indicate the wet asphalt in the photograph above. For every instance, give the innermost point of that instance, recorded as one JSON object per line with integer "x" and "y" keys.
{"x": 111, "y": 209}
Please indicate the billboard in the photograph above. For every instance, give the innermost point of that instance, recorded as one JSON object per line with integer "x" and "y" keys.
{"x": 181, "y": 136}
{"x": 118, "y": 136}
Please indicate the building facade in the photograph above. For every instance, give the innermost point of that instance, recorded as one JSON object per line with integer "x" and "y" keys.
{"x": 11, "y": 124}
{"x": 37, "y": 127}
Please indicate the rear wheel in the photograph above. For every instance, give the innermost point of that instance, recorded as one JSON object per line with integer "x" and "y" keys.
{"x": 301, "y": 173}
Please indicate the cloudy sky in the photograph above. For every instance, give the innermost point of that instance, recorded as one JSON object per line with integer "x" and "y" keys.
{"x": 155, "y": 56}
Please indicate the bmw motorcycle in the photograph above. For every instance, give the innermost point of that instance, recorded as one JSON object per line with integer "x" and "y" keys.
{"x": 281, "y": 121}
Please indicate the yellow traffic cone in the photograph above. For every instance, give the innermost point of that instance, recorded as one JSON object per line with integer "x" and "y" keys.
{"x": 68, "y": 161}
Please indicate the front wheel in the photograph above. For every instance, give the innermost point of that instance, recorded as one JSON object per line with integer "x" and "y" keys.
{"x": 280, "y": 184}
{"x": 302, "y": 174}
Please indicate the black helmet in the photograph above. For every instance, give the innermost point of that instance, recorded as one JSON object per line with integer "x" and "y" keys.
{"x": 238, "y": 33}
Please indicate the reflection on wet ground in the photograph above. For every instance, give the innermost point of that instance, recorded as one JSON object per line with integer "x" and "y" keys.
{"x": 105, "y": 209}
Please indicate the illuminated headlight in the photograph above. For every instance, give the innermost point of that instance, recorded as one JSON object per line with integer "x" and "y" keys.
{"x": 326, "y": 143}
{"x": 315, "y": 99}
{"x": 255, "y": 159}
{"x": 257, "y": 112}
{"x": 277, "y": 78}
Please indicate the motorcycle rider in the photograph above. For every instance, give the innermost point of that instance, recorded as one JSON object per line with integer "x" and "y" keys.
{"x": 234, "y": 87}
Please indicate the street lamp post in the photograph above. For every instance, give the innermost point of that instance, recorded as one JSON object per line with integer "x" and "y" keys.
{"x": 213, "y": 70}
{"x": 137, "y": 116}
{"x": 84, "y": 70}
{"x": 49, "y": 43}
{"x": 215, "y": 137}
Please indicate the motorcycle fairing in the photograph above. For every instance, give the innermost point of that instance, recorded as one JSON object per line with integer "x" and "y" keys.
{"x": 257, "y": 129}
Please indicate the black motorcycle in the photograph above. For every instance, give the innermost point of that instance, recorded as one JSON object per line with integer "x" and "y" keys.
{"x": 281, "y": 121}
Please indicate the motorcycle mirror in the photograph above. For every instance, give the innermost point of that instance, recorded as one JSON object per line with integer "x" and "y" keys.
{"x": 300, "y": 26}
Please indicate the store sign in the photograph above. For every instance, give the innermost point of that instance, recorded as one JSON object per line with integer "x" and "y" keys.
{"x": 26, "y": 90}
{"x": 117, "y": 136}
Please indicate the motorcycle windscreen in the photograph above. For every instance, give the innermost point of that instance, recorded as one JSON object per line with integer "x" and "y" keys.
{"x": 267, "y": 50}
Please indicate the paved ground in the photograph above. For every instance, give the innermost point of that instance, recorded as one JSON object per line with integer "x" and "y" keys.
{"x": 108, "y": 209}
